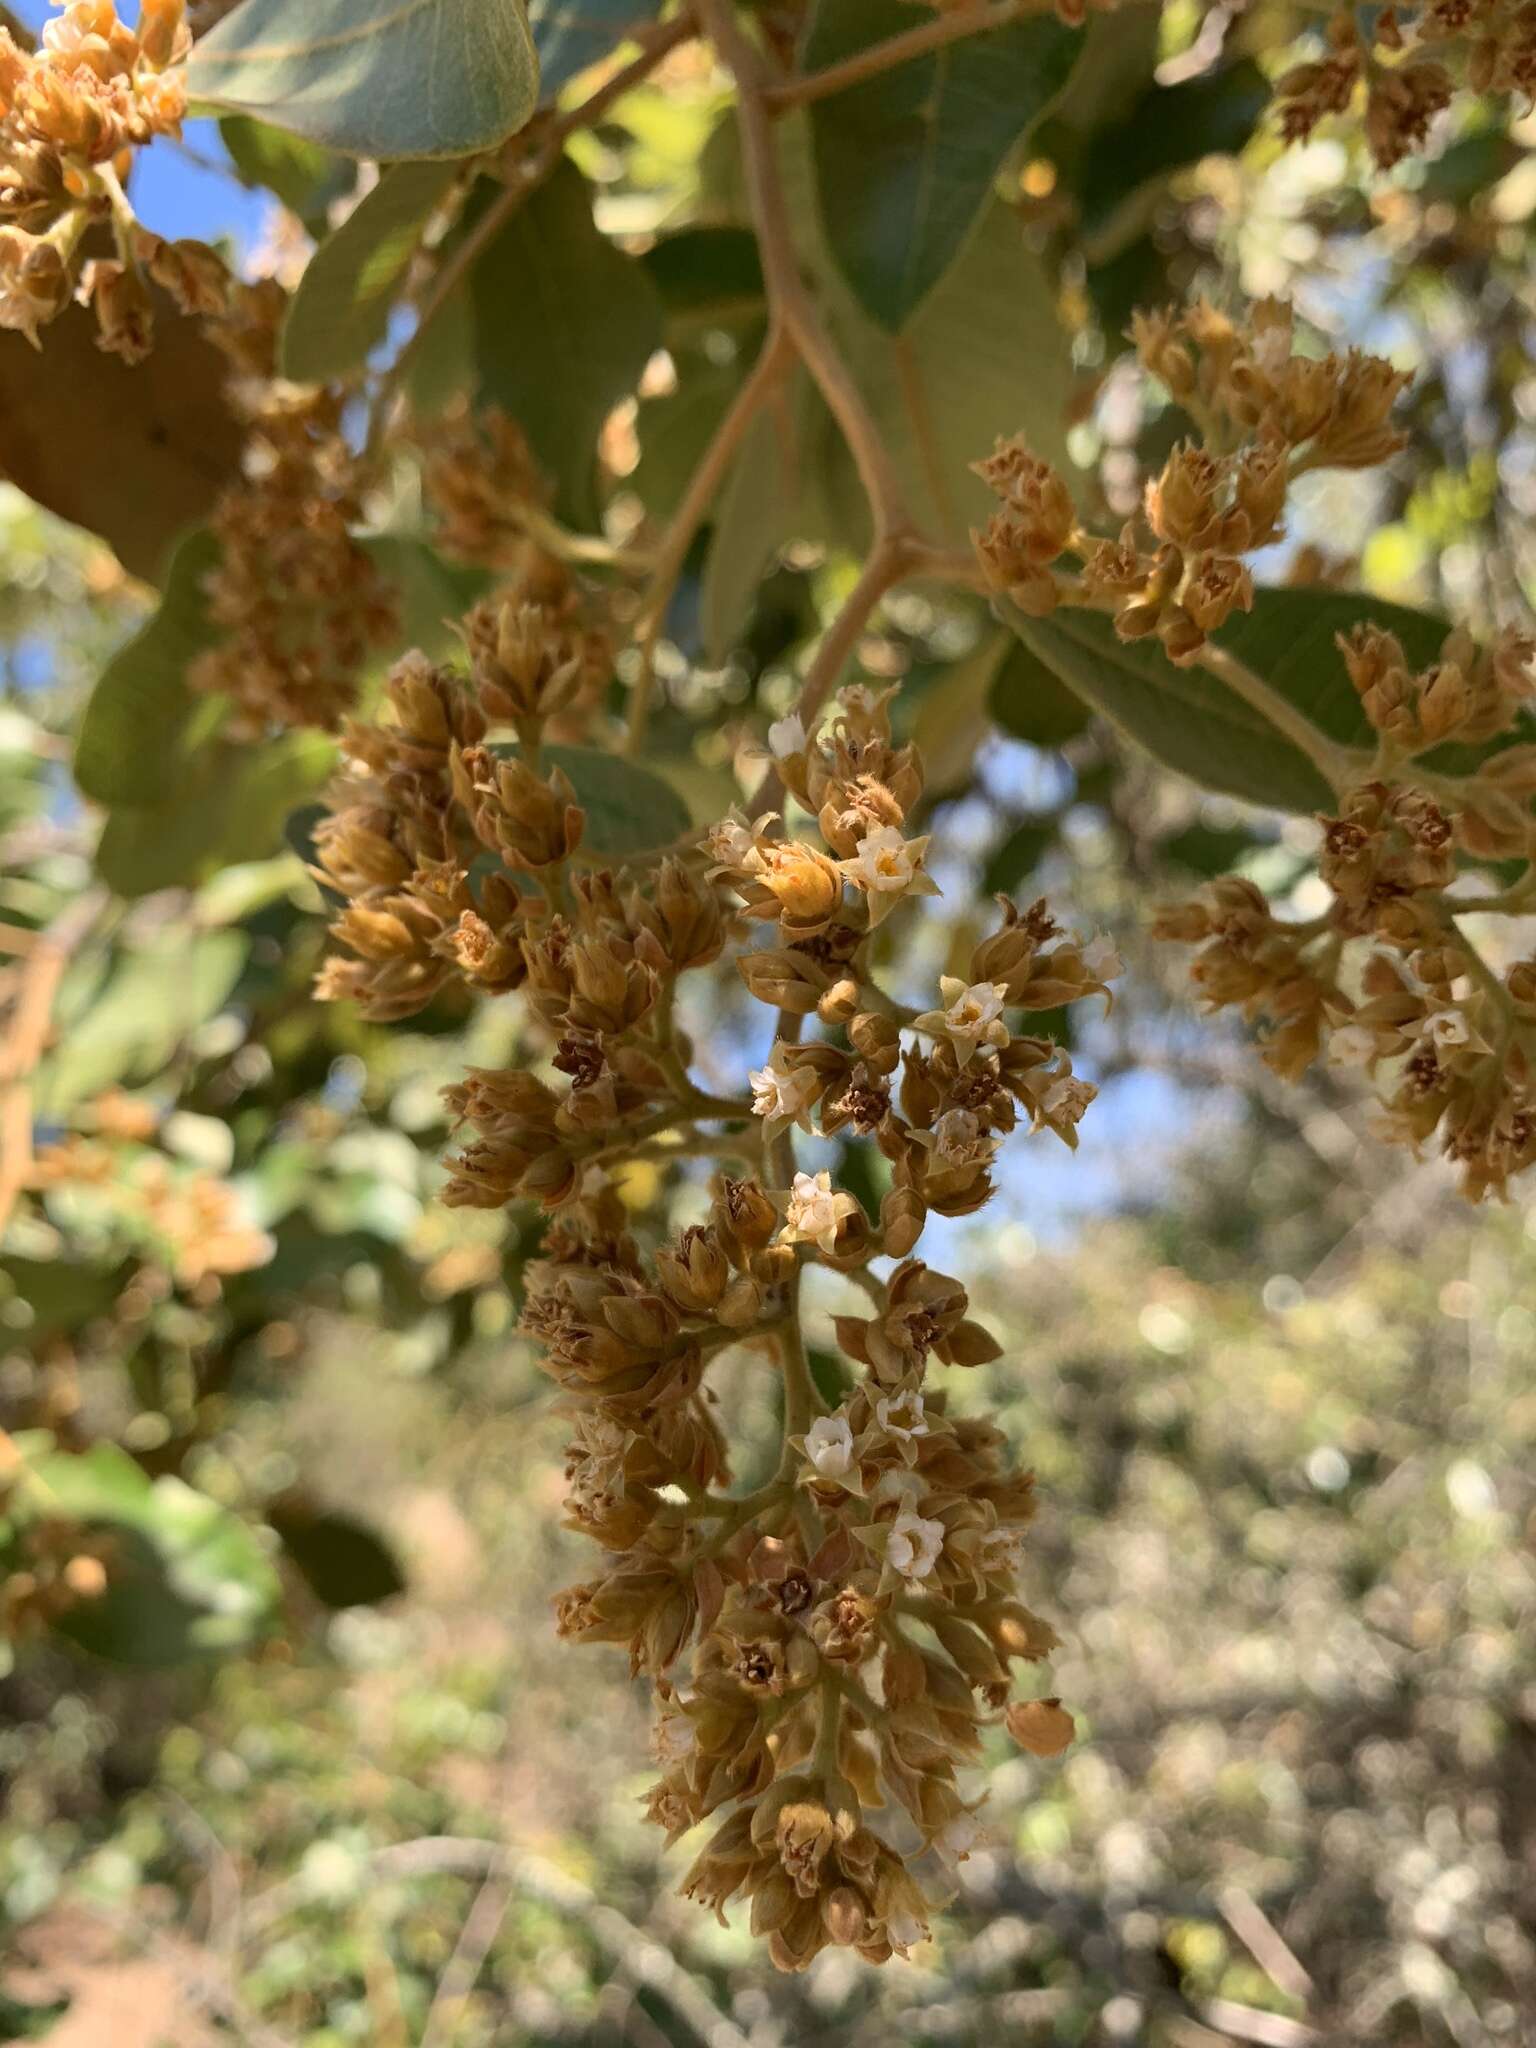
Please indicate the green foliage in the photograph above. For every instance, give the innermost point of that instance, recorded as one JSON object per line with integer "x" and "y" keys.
{"x": 122, "y": 1020}
{"x": 303, "y": 175}
{"x": 1193, "y": 723}
{"x": 344, "y": 1563}
{"x": 431, "y": 78}
{"x": 131, "y": 744}
{"x": 341, "y": 309}
{"x": 564, "y": 323}
{"x": 569, "y": 37}
{"x": 1167, "y": 128}
{"x": 1028, "y": 701}
{"x": 186, "y": 1578}
{"x": 905, "y": 161}
{"x": 629, "y": 807}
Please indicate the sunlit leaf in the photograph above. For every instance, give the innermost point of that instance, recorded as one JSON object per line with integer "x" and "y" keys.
{"x": 1195, "y": 724}
{"x": 565, "y": 324}
{"x": 905, "y": 160}
{"x": 340, "y": 310}
{"x": 131, "y": 744}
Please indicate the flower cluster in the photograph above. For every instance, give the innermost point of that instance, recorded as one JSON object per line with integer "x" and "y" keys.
{"x": 827, "y": 1648}
{"x": 189, "y": 1223}
{"x": 301, "y": 601}
{"x": 1386, "y": 979}
{"x": 71, "y": 114}
{"x": 1265, "y": 415}
{"x": 1396, "y": 69}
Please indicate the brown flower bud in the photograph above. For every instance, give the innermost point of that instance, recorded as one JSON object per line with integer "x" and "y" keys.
{"x": 784, "y": 978}
{"x": 1043, "y": 1727}
{"x": 694, "y": 1273}
{"x": 124, "y": 318}
{"x": 902, "y": 1216}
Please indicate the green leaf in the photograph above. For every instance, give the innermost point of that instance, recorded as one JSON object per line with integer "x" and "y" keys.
{"x": 378, "y": 78}
{"x": 571, "y": 34}
{"x": 676, "y": 428}
{"x": 565, "y": 324}
{"x": 126, "y": 1027}
{"x": 629, "y": 808}
{"x": 340, "y": 312}
{"x": 1167, "y": 129}
{"x": 1194, "y": 724}
{"x": 233, "y": 806}
{"x": 707, "y": 277}
{"x": 774, "y": 493}
{"x": 343, "y": 1561}
{"x": 305, "y": 177}
{"x": 130, "y": 748}
{"x": 906, "y": 160}
{"x": 1208, "y": 849}
{"x": 185, "y": 1577}
{"x": 952, "y": 715}
{"x": 1029, "y": 703}
{"x": 55, "y": 1296}
{"x": 984, "y": 355}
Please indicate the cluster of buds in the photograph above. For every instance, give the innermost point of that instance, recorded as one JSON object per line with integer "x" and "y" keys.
{"x": 301, "y": 602}
{"x": 1265, "y": 415}
{"x": 72, "y": 112}
{"x": 1403, "y": 90}
{"x": 1396, "y": 68}
{"x": 481, "y": 479}
{"x": 827, "y": 1648}
{"x": 186, "y": 1222}
{"x": 1385, "y": 979}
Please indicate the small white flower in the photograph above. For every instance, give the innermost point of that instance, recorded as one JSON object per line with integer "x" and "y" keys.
{"x": 786, "y": 736}
{"x": 732, "y": 844}
{"x": 901, "y": 1415}
{"x": 957, "y": 1140}
{"x": 1067, "y": 1098}
{"x": 1352, "y": 1045}
{"x": 1100, "y": 958}
{"x": 887, "y": 867}
{"x": 972, "y": 1016}
{"x": 783, "y": 1092}
{"x": 904, "y": 1931}
{"x": 815, "y": 1211}
{"x": 958, "y": 1837}
{"x": 829, "y": 1446}
{"x": 912, "y": 1545}
{"x": 1446, "y": 1029}
{"x": 673, "y": 1738}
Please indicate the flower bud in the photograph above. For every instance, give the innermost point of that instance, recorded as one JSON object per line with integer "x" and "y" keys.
{"x": 1043, "y": 1727}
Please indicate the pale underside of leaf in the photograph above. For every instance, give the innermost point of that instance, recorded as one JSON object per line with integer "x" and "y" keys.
{"x": 381, "y": 78}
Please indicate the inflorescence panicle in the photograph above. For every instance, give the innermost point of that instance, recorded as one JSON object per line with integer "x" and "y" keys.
{"x": 827, "y": 1649}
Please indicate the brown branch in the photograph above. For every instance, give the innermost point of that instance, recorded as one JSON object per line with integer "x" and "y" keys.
{"x": 949, "y": 27}
{"x": 706, "y": 480}
{"x": 790, "y": 303}
{"x": 26, "y": 1039}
